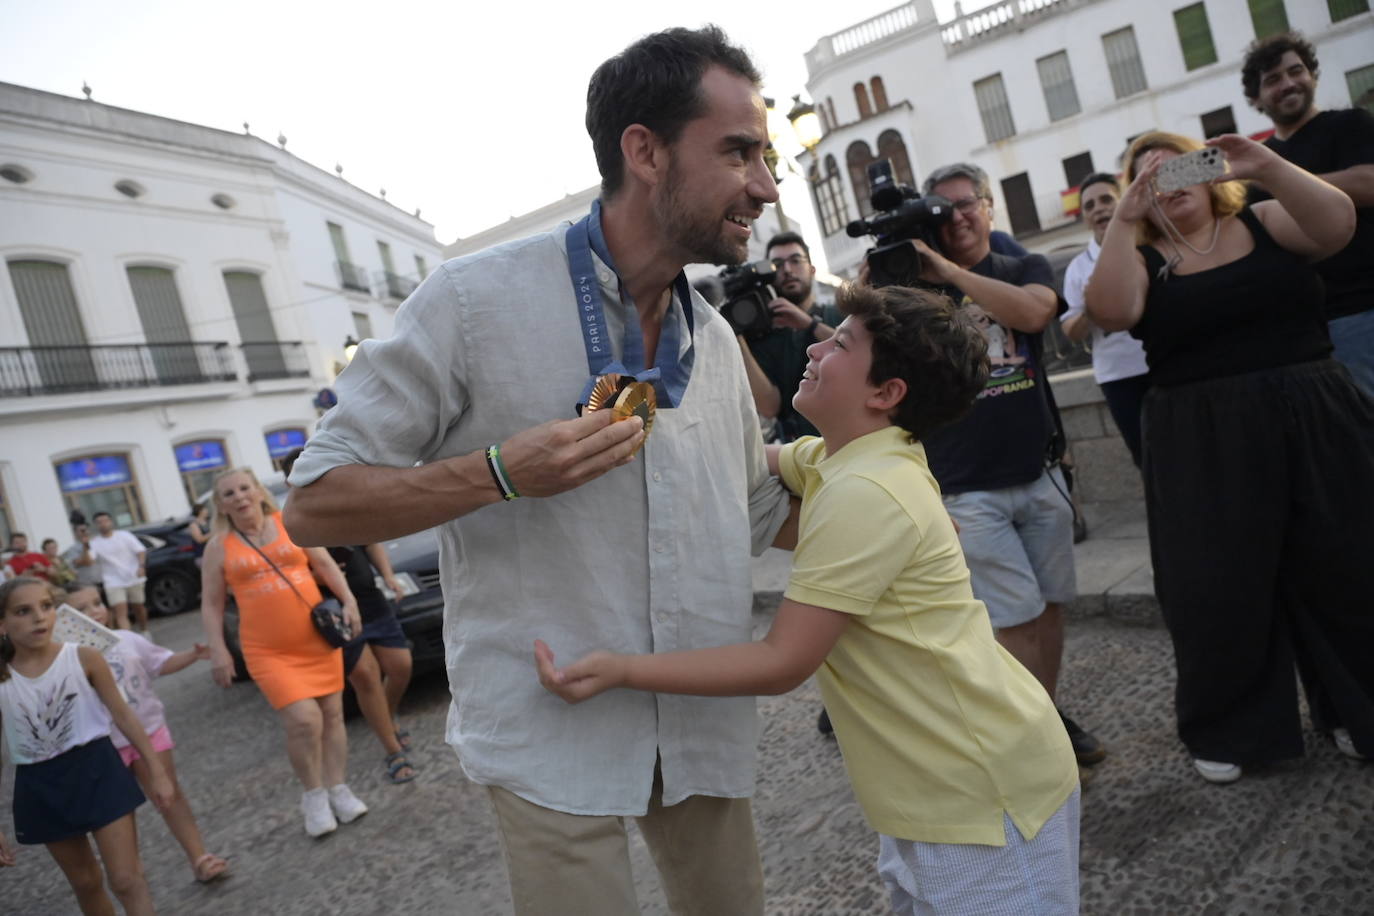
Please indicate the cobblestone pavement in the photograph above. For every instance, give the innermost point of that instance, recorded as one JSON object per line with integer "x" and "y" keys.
{"x": 1297, "y": 838}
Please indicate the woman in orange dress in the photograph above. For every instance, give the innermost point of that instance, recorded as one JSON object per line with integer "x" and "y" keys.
{"x": 300, "y": 674}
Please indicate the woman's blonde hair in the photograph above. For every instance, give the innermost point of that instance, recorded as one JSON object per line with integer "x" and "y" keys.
{"x": 1228, "y": 197}
{"x": 219, "y": 519}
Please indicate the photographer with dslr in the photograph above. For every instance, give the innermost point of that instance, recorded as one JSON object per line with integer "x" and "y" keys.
{"x": 997, "y": 467}
{"x": 774, "y": 342}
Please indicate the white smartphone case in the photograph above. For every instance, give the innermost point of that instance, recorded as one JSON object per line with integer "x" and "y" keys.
{"x": 1197, "y": 167}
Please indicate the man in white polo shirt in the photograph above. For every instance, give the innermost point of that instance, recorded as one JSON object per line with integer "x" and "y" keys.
{"x": 1118, "y": 358}
{"x": 121, "y": 558}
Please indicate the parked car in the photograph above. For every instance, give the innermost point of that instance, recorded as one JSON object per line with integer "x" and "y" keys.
{"x": 415, "y": 560}
{"x": 173, "y": 582}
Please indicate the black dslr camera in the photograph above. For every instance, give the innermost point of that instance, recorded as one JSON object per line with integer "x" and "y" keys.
{"x": 903, "y": 215}
{"x": 748, "y": 290}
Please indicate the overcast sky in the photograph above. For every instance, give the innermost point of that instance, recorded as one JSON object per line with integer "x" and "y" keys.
{"x": 470, "y": 111}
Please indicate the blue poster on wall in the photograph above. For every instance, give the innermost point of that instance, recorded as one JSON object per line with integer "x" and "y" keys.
{"x": 93, "y": 472}
{"x": 284, "y": 440}
{"x": 200, "y": 456}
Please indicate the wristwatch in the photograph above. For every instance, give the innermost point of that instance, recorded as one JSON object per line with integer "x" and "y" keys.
{"x": 811, "y": 328}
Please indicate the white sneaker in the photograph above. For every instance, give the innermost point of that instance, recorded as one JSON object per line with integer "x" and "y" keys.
{"x": 319, "y": 820}
{"x": 1345, "y": 744}
{"x": 347, "y": 806}
{"x": 1214, "y": 771}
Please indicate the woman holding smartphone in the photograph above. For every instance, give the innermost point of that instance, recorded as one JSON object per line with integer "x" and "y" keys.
{"x": 1258, "y": 450}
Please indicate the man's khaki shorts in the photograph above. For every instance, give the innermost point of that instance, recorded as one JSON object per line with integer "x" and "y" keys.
{"x": 132, "y": 594}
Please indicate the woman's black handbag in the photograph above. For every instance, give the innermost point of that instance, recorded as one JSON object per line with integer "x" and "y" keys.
{"x": 327, "y": 616}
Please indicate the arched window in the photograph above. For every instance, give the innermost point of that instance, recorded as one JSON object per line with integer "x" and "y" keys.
{"x": 857, "y": 157}
{"x": 830, "y": 107}
{"x": 861, "y": 99}
{"x": 879, "y": 93}
{"x": 828, "y": 193}
{"x": 891, "y": 146}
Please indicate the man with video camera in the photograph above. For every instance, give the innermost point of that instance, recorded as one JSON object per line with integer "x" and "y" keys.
{"x": 998, "y": 466}
{"x": 775, "y": 358}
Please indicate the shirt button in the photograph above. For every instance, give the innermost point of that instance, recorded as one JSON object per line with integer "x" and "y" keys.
{"x": 658, "y": 548}
{"x": 657, "y": 476}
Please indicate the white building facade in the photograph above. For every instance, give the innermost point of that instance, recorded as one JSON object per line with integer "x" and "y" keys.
{"x": 1040, "y": 93}
{"x": 175, "y": 300}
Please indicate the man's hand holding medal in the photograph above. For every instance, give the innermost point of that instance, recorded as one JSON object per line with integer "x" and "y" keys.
{"x": 560, "y": 455}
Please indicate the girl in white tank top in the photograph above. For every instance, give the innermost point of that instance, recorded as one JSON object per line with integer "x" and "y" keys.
{"x": 57, "y": 702}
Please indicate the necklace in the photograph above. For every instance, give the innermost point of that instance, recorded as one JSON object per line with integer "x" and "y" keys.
{"x": 1171, "y": 231}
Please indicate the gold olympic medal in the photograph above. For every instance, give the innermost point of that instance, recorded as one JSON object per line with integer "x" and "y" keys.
{"x": 625, "y": 398}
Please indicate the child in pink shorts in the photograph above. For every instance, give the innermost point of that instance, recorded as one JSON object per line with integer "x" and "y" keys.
{"x": 135, "y": 661}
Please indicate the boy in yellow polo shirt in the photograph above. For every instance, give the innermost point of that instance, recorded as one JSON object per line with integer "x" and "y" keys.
{"x": 954, "y": 750}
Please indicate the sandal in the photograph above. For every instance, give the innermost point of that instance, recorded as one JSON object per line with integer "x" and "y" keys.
{"x": 403, "y": 738}
{"x": 397, "y": 762}
{"x": 210, "y": 867}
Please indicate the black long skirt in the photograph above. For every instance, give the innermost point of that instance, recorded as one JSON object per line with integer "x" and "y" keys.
{"x": 1260, "y": 498}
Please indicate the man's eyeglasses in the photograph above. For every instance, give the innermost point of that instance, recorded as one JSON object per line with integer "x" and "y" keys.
{"x": 967, "y": 205}
{"x": 796, "y": 260}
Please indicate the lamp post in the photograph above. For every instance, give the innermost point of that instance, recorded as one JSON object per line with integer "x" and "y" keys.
{"x": 350, "y": 347}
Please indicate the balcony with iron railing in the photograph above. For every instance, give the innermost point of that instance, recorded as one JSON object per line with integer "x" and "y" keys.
{"x": 275, "y": 359}
{"x": 37, "y": 371}
{"x": 397, "y": 286}
{"x": 29, "y": 371}
{"x": 351, "y": 276}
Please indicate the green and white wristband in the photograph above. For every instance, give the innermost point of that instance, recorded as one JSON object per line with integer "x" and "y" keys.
{"x": 499, "y": 473}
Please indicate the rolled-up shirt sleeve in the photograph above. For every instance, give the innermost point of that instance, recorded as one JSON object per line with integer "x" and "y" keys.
{"x": 399, "y": 396}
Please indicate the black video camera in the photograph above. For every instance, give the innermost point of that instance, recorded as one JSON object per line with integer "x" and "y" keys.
{"x": 902, "y": 215}
{"x": 748, "y": 290}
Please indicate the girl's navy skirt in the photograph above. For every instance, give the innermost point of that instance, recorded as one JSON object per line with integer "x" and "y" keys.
{"x": 74, "y": 793}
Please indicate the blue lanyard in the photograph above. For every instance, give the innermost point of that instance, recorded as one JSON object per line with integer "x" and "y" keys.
{"x": 670, "y": 374}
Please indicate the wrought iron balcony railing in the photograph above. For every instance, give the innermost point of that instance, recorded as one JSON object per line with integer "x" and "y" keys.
{"x": 397, "y": 286}
{"x": 271, "y": 359}
{"x": 351, "y": 276}
{"x": 28, "y": 371}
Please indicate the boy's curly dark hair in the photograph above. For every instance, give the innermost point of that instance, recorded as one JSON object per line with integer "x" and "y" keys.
{"x": 922, "y": 338}
{"x": 1265, "y": 54}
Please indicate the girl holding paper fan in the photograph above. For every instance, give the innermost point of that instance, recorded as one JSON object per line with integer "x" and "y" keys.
{"x": 58, "y": 702}
{"x": 135, "y": 661}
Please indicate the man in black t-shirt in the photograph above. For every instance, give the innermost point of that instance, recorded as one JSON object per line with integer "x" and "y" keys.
{"x": 1014, "y": 515}
{"x": 776, "y": 360}
{"x": 1280, "y": 79}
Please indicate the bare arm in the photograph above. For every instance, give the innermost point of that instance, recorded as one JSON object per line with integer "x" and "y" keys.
{"x": 1307, "y": 215}
{"x": 381, "y": 561}
{"x": 212, "y": 596}
{"x": 1078, "y": 327}
{"x": 98, "y": 673}
{"x": 341, "y": 506}
{"x": 1115, "y": 295}
{"x": 184, "y": 659}
{"x": 328, "y": 572}
{"x": 6, "y": 850}
{"x": 1357, "y": 181}
{"x": 1022, "y": 308}
{"x": 796, "y": 644}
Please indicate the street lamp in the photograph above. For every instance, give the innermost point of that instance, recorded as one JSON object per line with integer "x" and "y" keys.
{"x": 806, "y": 124}
{"x": 350, "y": 347}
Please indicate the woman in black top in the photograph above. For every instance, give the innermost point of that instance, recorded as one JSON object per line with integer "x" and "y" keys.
{"x": 1259, "y": 451}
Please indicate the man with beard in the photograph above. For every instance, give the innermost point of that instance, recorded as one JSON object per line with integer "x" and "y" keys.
{"x": 436, "y": 426}
{"x": 1118, "y": 358}
{"x": 1280, "y": 79}
{"x": 775, "y": 361}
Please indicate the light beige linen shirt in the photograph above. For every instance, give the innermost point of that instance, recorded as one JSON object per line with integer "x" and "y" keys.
{"x": 652, "y": 557}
